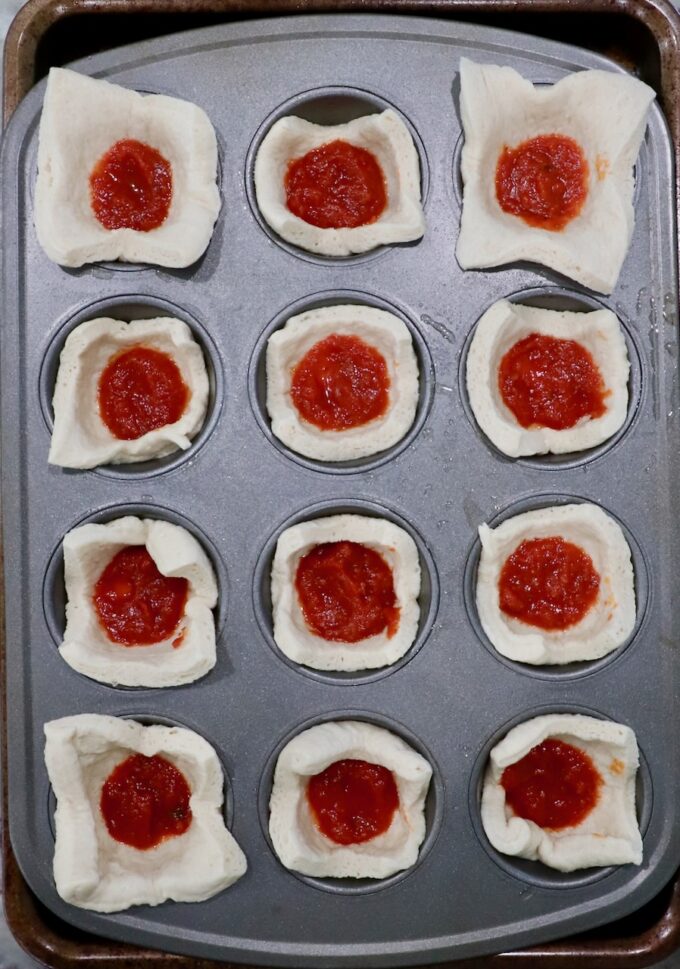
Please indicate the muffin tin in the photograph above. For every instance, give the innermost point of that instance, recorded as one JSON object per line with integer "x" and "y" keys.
{"x": 451, "y": 697}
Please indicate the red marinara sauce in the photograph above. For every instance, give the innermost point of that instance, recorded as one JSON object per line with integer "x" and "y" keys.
{"x": 336, "y": 186}
{"x": 131, "y": 187}
{"x": 548, "y": 582}
{"x": 353, "y": 801}
{"x": 136, "y": 604}
{"x": 544, "y": 181}
{"x": 140, "y": 390}
{"x": 144, "y": 801}
{"x": 346, "y": 592}
{"x": 549, "y": 382}
{"x": 555, "y": 785}
{"x": 341, "y": 382}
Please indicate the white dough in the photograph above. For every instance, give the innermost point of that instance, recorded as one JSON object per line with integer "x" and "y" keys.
{"x": 607, "y": 624}
{"x": 609, "y": 835}
{"x": 291, "y": 633}
{"x": 80, "y": 438}
{"x": 383, "y": 331}
{"x": 82, "y": 118}
{"x": 86, "y": 646}
{"x": 606, "y": 113}
{"x": 387, "y": 138}
{"x": 297, "y": 840}
{"x": 502, "y": 326}
{"x": 94, "y": 871}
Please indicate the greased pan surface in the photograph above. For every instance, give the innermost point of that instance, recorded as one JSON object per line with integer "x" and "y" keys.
{"x": 454, "y": 696}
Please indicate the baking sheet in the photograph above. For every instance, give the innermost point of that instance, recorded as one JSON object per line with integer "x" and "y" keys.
{"x": 453, "y": 696}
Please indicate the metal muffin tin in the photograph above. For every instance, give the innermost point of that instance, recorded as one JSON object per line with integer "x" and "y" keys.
{"x": 452, "y": 696}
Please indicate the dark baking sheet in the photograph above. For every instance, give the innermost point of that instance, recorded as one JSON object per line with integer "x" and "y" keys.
{"x": 461, "y": 332}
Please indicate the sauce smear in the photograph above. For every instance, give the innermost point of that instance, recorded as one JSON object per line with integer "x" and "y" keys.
{"x": 131, "y": 187}
{"x": 353, "y": 801}
{"x": 341, "y": 382}
{"x": 144, "y": 801}
{"x": 136, "y": 604}
{"x": 555, "y": 785}
{"x": 549, "y": 382}
{"x": 346, "y": 592}
{"x": 336, "y": 186}
{"x": 544, "y": 181}
{"x": 548, "y": 582}
{"x": 140, "y": 390}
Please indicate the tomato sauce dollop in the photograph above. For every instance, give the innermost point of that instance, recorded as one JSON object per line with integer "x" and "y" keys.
{"x": 555, "y": 785}
{"x": 140, "y": 390}
{"x": 131, "y": 187}
{"x": 144, "y": 801}
{"x": 353, "y": 801}
{"x": 336, "y": 186}
{"x": 136, "y": 604}
{"x": 346, "y": 592}
{"x": 544, "y": 181}
{"x": 549, "y": 382}
{"x": 549, "y": 583}
{"x": 341, "y": 382}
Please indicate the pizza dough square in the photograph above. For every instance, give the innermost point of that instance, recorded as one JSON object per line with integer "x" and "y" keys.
{"x": 188, "y": 654}
{"x": 608, "y": 835}
{"x": 92, "y": 869}
{"x": 81, "y": 119}
{"x": 298, "y": 842}
{"x": 605, "y": 113}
